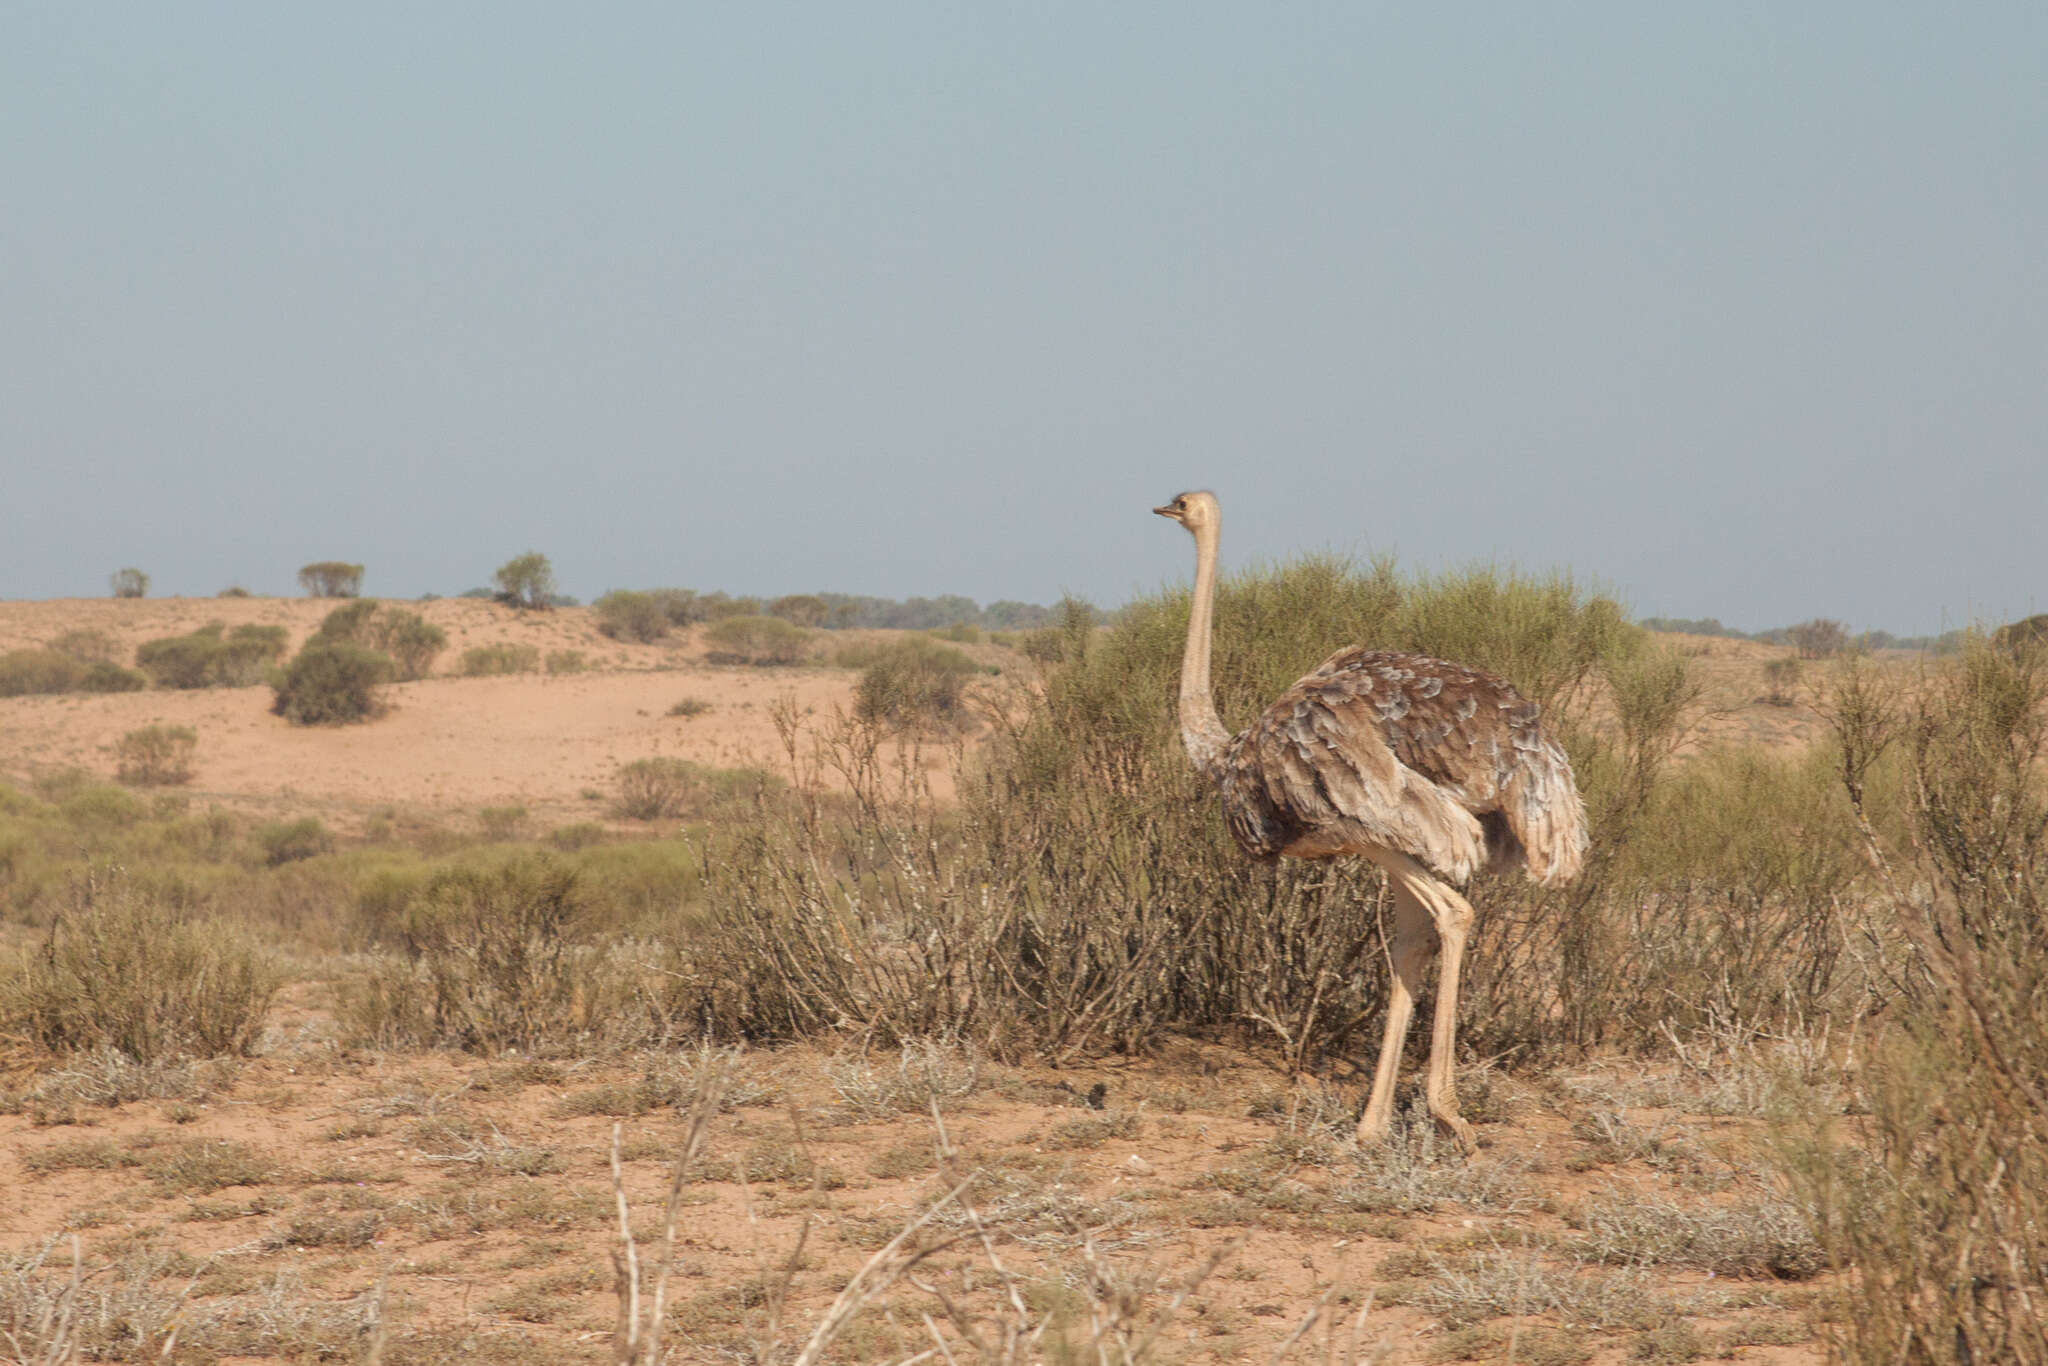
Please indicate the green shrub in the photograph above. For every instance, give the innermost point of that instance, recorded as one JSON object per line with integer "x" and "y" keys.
{"x": 129, "y": 583}
{"x": 482, "y": 661}
{"x": 406, "y": 637}
{"x": 156, "y": 755}
{"x": 679, "y": 605}
{"x": 501, "y": 822}
{"x": 331, "y": 579}
{"x": 567, "y": 662}
{"x": 27, "y": 672}
{"x": 212, "y": 656}
{"x": 87, "y": 645}
{"x": 914, "y": 681}
{"x": 123, "y": 971}
{"x": 582, "y": 835}
{"x": 756, "y": 640}
{"x": 665, "y": 788}
{"x": 284, "y": 842}
{"x": 103, "y": 677}
{"x": 801, "y": 609}
{"x": 409, "y": 640}
{"x": 526, "y": 582}
{"x": 624, "y": 614}
{"x": 332, "y": 685}
{"x": 233, "y": 590}
{"x": 97, "y": 805}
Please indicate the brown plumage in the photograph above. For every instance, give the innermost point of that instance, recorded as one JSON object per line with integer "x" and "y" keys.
{"x": 1431, "y": 769}
{"x": 1444, "y": 763}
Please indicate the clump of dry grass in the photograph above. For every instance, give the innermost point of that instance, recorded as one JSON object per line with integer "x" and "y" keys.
{"x": 107, "y": 1077}
{"x": 156, "y": 755}
{"x": 927, "y": 1072}
{"x": 1767, "y": 1238}
{"x": 121, "y": 970}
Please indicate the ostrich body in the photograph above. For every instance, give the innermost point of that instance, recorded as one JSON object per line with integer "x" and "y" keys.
{"x": 1430, "y": 769}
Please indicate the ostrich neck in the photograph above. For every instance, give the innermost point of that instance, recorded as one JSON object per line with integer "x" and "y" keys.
{"x": 1201, "y": 729}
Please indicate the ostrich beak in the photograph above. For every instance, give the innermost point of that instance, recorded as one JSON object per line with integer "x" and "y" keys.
{"x": 1167, "y": 512}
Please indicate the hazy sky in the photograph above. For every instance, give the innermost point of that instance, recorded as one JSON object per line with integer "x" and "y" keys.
{"x": 1740, "y": 310}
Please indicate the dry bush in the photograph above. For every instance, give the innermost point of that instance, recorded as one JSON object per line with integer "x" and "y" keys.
{"x": 1820, "y": 638}
{"x": 663, "y": 788}
{"x": 1085, "y": 894}
{"x": 121, "y": 970}
{"x": 914, "y": 682}
{"x": 129, "y": 583}
{"x": 756, "y": 640}
{"x": 1781, "y": 680}
{"x": 1937, "y": 1203}
{"x": 567, "y": 662}
{"x": 624, "y": 614}
{"x": 484, "y": 661}
{"x": 156, "y": 755}
{"x": 497, "y": 957}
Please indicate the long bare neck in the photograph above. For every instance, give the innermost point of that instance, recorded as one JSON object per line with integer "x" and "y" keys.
{"x": 1201, "y": 729}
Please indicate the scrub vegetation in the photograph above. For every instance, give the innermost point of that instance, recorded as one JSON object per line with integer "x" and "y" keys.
{"x": 1047, "y": 1070}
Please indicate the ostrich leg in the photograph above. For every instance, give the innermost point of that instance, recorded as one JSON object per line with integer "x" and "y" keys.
{"x": 1410, "y": 954}
{"x": 1453, "y": 915}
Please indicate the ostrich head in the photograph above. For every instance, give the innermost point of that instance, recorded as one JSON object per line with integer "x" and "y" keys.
{"x": 1196, "y": 510}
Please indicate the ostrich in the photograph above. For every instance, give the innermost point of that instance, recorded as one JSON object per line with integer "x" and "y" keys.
{"x": 1429, "y": 769}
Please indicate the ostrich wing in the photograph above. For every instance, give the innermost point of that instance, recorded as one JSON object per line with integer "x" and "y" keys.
{"x": 1400, "y": 751}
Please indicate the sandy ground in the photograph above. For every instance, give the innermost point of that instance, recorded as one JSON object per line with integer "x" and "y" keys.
{"x": 447, "y": 743}
{"x": 478, "y": 1190}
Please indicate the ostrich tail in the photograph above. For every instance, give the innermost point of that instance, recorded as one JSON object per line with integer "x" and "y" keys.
{"x": 1545, "y": 820}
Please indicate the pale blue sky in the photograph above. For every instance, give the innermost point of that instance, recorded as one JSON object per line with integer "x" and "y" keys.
{"x": 1738, "y": 309}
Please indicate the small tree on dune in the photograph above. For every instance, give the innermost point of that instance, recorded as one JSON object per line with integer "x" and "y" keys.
{"x": 1819, "y": 638}
{"x": 129, "y": 583}
{"x": 526, "y": 582}
{"x": 331, "y": 579}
